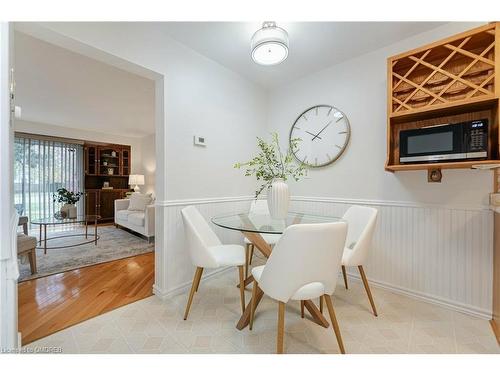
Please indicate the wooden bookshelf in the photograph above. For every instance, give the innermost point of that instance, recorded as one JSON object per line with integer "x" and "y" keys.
{"x": 448, "y": 81}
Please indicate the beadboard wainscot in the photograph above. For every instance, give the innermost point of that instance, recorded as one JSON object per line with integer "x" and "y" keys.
{"x": 439, "y": 254}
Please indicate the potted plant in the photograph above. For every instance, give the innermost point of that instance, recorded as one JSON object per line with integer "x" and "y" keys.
{"x": 273, "y": 168}
{"x": 69, "y": 199}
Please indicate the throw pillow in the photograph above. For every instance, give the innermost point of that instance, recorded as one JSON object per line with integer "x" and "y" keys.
{"x": 139, "y": 202}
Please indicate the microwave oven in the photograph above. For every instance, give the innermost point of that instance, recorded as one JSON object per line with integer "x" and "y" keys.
{"x": 446, "y": 142}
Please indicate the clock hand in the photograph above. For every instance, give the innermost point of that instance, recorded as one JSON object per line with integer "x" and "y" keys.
{"x": 321, "y": 131}
{"x": 314, "y": 135}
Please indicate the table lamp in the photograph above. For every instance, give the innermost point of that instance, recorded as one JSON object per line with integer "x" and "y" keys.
{"x": 136, "y": 179}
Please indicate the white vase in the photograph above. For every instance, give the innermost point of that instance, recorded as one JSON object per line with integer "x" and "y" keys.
{"x": 278, "y": 199}
{"x": 70, "y": 209}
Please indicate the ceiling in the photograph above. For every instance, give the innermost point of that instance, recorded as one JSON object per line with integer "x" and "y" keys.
{"x": 313, "y": 45}
{"x": 58, "y": 87}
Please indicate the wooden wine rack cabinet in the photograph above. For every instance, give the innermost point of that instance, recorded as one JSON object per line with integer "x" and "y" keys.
{"x": 455, "y": 79}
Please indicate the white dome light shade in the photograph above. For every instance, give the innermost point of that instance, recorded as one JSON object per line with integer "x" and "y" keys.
{"x": 269, "y": 44}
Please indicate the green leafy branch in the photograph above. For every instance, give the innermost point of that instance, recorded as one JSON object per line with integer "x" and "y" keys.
{"x": 271, "y": 163}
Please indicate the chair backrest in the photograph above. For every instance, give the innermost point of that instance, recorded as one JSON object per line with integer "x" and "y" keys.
{"x": 259, "y": 206}
{"x": 199, "y": 237}
{"x": 361, "y": 221}
{"x": 305, "y": 253}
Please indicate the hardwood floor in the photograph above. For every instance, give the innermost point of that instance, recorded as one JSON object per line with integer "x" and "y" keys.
{"x": 52, "y": 303}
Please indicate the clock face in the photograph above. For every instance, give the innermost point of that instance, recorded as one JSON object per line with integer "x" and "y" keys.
{"x": 324, "y": 132}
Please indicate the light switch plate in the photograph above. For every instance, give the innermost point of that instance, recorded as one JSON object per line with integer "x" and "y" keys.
{"x": 200, "y": 141}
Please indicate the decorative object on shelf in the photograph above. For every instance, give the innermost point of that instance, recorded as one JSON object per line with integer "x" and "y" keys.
{"x": 105, "y": 163}
{"x": 111, "y": 171}
{"x": 69, "y": 198}
{"x": 273, "y": 168}
{"x": 269, "y": 44}
{"x": 113, "y": 154}
{"x": 105, "y": 184}
{"x": 325, "y": 132}
{"x": 136, "y": 179}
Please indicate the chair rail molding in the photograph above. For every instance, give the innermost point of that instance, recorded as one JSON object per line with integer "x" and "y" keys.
{"x": 442, "y": 254}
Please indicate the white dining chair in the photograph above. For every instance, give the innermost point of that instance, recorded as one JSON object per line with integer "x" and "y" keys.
{"x": 259, "y": 207}
{"x": 302, "y": 267}
{"x": 206, "y": 251}
{"x": 361, "y": 226}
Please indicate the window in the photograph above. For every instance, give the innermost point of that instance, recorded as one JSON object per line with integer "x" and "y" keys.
{"x": 41, "y": 166}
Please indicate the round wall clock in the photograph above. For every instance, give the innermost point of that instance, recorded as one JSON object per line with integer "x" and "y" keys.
{"x": 324, "y": 132}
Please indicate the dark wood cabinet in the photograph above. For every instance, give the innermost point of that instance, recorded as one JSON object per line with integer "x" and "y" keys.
{"x": 102, "y": 202}
{"x": 105, "y": 164}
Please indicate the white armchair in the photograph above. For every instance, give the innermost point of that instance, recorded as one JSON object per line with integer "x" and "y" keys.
{"x": 142, "y": 222}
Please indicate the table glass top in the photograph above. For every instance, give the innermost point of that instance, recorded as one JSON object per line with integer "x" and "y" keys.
{"x": 261, "y": 223}
{"x": 54, "y": 221}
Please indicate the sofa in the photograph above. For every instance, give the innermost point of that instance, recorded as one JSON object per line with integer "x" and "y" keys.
{"x": 140, "y": 220}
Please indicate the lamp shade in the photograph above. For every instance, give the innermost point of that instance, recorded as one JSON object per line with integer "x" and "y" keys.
{"x": 136, "y": 179}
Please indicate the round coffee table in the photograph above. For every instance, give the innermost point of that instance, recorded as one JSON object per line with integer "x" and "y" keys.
{"x": 81, "y": 219}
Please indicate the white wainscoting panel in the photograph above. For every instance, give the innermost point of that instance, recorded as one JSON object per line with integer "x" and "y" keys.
{"x": 441, "y": 254}
{"x": 179, "y": 270}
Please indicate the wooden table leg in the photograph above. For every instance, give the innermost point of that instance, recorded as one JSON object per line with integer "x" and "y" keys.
{"x": 316, "y": 314}
{"x": 245, "y": 318}
{"x": 247, "y": 281}
{"x": 45, "y": 239}
{"x": 95, "y": 231}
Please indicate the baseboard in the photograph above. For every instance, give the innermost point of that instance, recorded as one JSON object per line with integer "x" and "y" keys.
{"x": 185, "y": 286}
{"x": 466, "y": 309}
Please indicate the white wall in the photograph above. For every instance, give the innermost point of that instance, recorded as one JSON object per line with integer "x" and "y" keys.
{"x": 148, "y": 163}
{"x": 85, "y": 135}
{"x": 433, "y": 241}
{"x": 194, "y": 95}
{"x": 358, "y": 88}
{"x": 200, "y": 97}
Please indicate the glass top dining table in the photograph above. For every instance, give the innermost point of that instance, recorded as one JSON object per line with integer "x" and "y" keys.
{"x": 254, "y": 226}
{"x": 264, "y": 223}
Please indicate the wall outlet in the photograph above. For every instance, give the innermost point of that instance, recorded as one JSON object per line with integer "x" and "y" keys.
{"x": 200, "y": 141}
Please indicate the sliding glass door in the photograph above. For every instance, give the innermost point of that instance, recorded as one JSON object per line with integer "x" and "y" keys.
{"x": 41, "y": 166}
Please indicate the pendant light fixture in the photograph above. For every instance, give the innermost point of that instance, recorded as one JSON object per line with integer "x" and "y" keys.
{"x": 269, "y": 44}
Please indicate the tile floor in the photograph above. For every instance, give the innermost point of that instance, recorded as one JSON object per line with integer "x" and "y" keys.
{"x": 151, "y": 325}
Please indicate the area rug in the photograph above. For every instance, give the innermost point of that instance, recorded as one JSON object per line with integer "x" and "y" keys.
{"x": 114, "y": 243}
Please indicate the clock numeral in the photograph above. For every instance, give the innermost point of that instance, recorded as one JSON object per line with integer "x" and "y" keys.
{"x": 340, "y": 148}
{"x": 342, "y": 132}
{"x": 305, "y": 118}
{"x": 316, "y": 111}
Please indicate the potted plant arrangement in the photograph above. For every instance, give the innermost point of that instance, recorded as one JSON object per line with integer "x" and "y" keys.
{"x": 273, "y": 168}
{"x": 69, "y": 198}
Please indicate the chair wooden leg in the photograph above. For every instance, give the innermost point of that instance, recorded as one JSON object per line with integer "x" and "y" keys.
{"x": 281, "y": 327}
{"x": 345, "y": 276}
{"x": 335, "y": 324}
{"x": 194, "y": 287}
{"x": 367, "y": 288}
{"x": 198, "y": 282}
{"x": 321, "y": 304}
{"x": 247, "y": 255}
{"x": 251, "y": 253}
{"x": 32, "y": 259}
{"x": 253, "y": 304}
{"x": 302, "y": 309}
{"x": 242, "y": 288}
